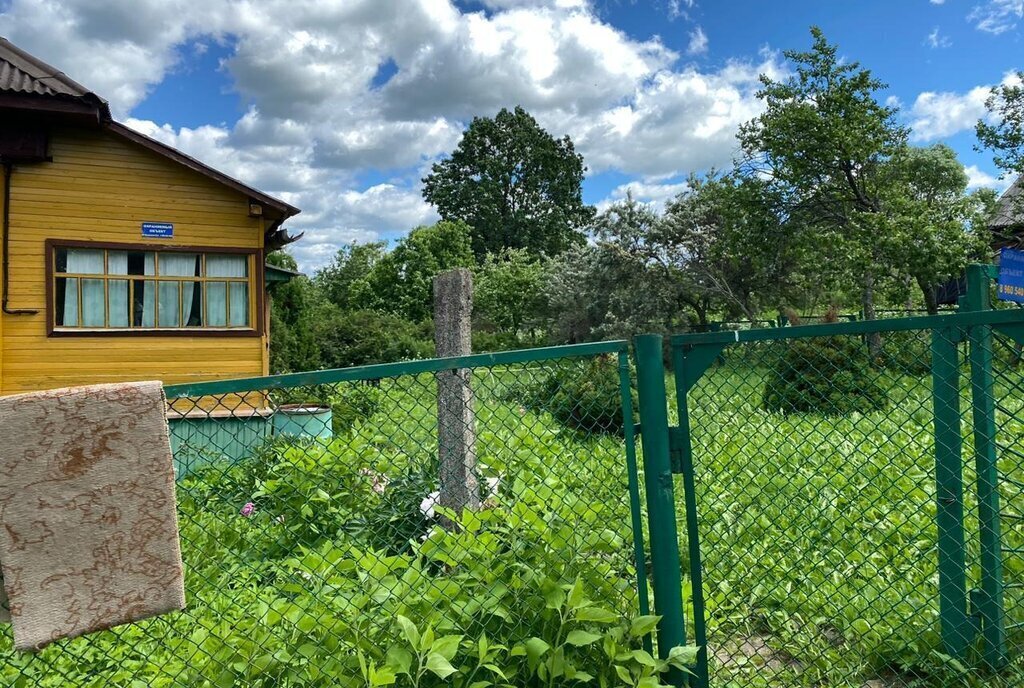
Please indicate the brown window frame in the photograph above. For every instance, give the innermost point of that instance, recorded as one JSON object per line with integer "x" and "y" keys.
{"x": 256, "y": 288}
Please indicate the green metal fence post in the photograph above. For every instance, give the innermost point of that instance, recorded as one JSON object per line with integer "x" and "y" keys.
{"x": 957, "y": 633}
{"x": 701, "y": 678}
{"x": 661, "y": 507}
{"x": 990, "y": 602}
{"x": 636, "y": 517}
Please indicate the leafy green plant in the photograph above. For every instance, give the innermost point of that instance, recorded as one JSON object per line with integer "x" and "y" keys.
{"x": 582, "y": 395}
{"x": 829, "y": 376}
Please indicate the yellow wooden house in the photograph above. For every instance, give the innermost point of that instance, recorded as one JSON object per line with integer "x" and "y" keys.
{"x": 123, "y": 258}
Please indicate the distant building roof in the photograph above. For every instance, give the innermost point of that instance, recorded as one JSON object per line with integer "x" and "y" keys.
{"x": 1010, "y": 208}
{"x": 28, "y": 83}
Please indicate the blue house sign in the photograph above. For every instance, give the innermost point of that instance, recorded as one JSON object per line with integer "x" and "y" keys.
{"x": 1011, "y": 275}
{"x": 157, "y": 229}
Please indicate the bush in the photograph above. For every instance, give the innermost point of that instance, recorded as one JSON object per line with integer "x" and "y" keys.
{"x": 581, "y": 395}
{"x": 364, "y": 337}
{"x": 353, "y": 402}
{"x": 907, "y": 353}
{"x": 831, "y": 376}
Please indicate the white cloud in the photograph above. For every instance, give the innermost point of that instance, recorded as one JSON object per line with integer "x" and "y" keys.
{"x": 678, "y": 8}
{"x": 698, "y": 42}
{"x": 978, "y": 178}
{"x": 938, "y": 115}
{"x": 316, "y": 128}
{"x": 997, "y": 16}
{"x": 653, "y": 191}
{"x": 936, "y": 39}
{"x": 938, "y": 2}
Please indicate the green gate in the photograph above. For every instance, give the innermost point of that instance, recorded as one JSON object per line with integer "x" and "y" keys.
{"x": 853, "y": 496}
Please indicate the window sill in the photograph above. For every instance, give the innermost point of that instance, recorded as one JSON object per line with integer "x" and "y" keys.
{"x": 155, "y": 332}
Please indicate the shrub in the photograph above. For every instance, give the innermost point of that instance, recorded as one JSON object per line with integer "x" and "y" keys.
{"x": 363, "y": 337}
{"x": 907, "y": 353}
{"x": 581, "y": 395}
{"x": 830, "y": 376}
{"x": 353, "y": 402}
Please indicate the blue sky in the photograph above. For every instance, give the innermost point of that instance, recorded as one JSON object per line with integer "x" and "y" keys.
{"x": 340, "y": 106}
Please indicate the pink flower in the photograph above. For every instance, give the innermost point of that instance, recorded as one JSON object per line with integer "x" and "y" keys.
{"x": 248, "y": 509}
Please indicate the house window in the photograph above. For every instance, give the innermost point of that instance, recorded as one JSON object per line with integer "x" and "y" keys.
{"x": 124, "y": 289}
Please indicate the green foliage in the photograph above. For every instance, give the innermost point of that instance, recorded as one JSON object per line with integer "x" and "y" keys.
{"x": 292, "y": 306}
{"x": 931, "y": 228}
{"x": 828, "y": 376}
{"x": 344, "y": 281}
{"x": 362, "y": 337}
{"x": 583, "y": 395}
{"x": 401, "y": 282}
{"x": 907, "y": 353}
{"x": 514, "y": 184}
{"x": 1003, "y": 130}
{"x": 508, "y": 292}
{"x": 353, "y": 403}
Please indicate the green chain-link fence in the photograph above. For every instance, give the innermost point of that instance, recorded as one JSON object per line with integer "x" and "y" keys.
{"x": 836, "y": 483}
{"x": 318, "y": 550}
{"x": 848, "y": 511}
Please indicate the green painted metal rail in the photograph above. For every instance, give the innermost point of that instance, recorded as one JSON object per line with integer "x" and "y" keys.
{"x": 383, "y": 370}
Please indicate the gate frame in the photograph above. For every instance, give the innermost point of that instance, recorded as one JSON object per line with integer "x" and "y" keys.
{"x": 693, "y": 354}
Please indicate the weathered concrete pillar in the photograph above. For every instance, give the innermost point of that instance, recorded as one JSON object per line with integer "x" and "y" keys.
{"x": 456, "y": 422}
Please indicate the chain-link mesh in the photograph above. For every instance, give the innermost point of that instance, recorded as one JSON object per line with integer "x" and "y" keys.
{"x": 1008, "y": 399}
{"x": 319, "y": 550}
{"x": 815, "y": 469}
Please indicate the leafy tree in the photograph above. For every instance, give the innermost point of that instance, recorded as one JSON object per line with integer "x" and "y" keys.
{"x": 293, "y": 308}
{"x": 1004, "y": 134}
{"x": 514, "y": 184}
{"x": 344, "y": 280}
{"x": 933, "y": 227}
{"x": 351, "y": 338}
{"x": 577, "y": 287}
{"x": 401, "y": 282}
{"x": 728, "y": 242}
{"x": 821, "y": 142}
{"x": 646, "y": 276}
{"x": 509, "y": 291}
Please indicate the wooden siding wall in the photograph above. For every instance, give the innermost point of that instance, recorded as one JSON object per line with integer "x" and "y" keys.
{"x": 100, "y": 187}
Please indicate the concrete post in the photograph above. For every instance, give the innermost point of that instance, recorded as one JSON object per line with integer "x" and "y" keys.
{"x": 456, "y": 422}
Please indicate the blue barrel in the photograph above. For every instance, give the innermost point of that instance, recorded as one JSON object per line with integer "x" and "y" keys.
{"x": 304, "y": 420}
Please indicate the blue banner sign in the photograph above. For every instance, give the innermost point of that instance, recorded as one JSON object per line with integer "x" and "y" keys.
{"x": 157, "y": 229}
{"x": 1011, "y": 275}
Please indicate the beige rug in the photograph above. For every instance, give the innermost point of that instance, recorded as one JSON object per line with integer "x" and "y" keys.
{"x": 88, "y": 526}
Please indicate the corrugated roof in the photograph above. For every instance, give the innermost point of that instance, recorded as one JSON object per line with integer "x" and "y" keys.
{"x": 1010, "y": 207}
{"x": 24, "y": 73}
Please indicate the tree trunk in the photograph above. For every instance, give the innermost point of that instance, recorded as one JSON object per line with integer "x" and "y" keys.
{"x": 930, "y": 297}
{"x": 868, "y": 303}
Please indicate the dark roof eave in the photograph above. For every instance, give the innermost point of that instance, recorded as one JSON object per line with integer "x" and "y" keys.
{"x": 285, "y": 210}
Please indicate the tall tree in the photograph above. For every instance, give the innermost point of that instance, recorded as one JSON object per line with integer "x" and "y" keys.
{"x": 401, "y": 282}
{"x": 343, "y": 281}
{"x": 821, "y": 141}
{"x": 514, "y": 184}
{"x": 933, "y": 228}
{"x": 730, "y": 244}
